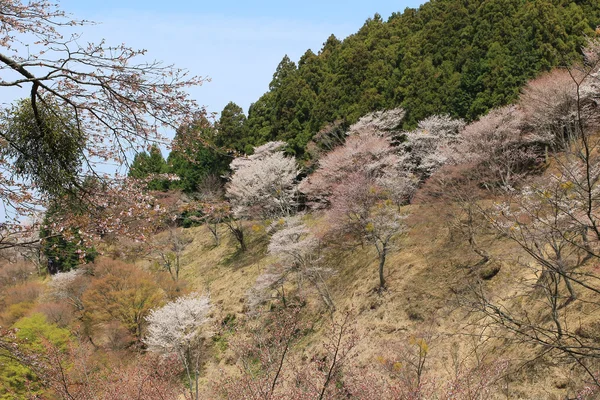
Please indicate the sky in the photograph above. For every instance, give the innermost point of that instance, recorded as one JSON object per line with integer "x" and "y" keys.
{"x": 237, "y": 44}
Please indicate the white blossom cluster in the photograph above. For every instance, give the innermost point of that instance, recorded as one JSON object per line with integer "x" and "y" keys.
{"x": 294, "y": 244}
{"x": 426, "y": 146}
{"x": 378, "y": 121}
{"x": 263, "y": 185}
{"x": 61, "y": 282}
{"x": 174, "y": 327}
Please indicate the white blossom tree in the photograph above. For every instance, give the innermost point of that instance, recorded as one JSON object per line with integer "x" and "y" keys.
{"x": 263, "y": 185}
{"x": 175, "y": 329}
{"x": 298, "y": 258}
{"x": 425, "y": 145}
{"x": 363, "y": 210}
{"x": 496, "y": 147}
{"x": 379, "y": 121}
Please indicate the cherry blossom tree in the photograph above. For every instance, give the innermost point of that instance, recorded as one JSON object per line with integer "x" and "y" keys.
{"x": 363, "y": 182}
{"x": 556, "y": 103}
{"x": 379, "y": 121}
{"x": 363, "y": 210}
{"x": 175, "y": 329}
{"x": 269, "y": 369}
{"x": 425, "y": 145}
{"x": 497, "y": 148}
{"x": 169, "y": 249}
{"x": 73, "y": 373}
{"x": 263, "y": 185}
{"x": 368, "y": 153}
{"x": 87, "y": 103}
{"x": 298, "y": 259}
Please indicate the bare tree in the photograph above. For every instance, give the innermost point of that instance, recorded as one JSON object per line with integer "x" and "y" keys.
{"x": 87, "y": 103}
{"x": 170, "y": 250}
{"x": 298, "y": 252}
{"x": 555, "y": 221}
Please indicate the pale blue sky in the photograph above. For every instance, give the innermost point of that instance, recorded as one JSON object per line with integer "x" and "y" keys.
{"x": 238, "y": 44}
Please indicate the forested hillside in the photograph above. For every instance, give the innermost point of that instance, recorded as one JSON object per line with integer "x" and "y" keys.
{"x": 460, "y": 58}
{"x": 411, "y": 214}
{"x": 457, "y": 58}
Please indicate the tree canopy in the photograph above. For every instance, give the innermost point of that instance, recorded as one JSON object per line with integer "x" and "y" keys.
{"x": 460, "y": 58}
{"x": 87, "y": 103}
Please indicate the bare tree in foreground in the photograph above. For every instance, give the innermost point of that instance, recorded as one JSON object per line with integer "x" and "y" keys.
{"x": 555, "y": 221}
{"x": 87, "y": 104}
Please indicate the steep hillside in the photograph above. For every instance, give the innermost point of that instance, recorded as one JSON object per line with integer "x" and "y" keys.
{"x": 433, "y": 277}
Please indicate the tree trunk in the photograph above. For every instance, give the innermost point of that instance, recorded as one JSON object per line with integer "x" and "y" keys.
{"x": 382, "y": 256}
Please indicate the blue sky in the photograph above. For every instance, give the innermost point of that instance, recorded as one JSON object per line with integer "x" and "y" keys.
{"x": 238, "y": 44}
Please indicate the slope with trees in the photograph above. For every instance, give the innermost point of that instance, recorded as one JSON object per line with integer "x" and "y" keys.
{"x": 446, "y": 57}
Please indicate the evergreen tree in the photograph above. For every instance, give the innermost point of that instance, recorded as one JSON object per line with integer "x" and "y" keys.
{"x": 195, "y": 158}
{"x": 460, "y": 58}
{"x": 231, "y": 129}
{"x": 145, "y": 164}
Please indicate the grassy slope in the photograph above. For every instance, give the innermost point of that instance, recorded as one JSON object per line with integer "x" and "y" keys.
{"x": 430, "y": 276}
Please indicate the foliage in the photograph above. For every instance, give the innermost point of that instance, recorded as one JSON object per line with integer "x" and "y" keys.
{"x": 447, "y": 57}
{"x": 194, "y": 157}
{"x": 63, "y": 253}
{"x": 73, "y": 373}
{"x": 124, "y": 293}
{"x": 150, "y": 164}
{"x": 32, "y": 334}
{"x": 49, "y": 154}
{"x": 231, "y": 129}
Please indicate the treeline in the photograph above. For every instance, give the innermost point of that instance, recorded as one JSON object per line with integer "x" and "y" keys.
{"x": 451, "y": 57}
{"x": 455, "y": 57}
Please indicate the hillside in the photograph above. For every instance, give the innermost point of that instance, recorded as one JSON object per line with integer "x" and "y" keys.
{"x": 460, "y": 58}
{"x": 433, "y": 277}
{"x": 440, "y": 240}
{"x": 458, "y": 262}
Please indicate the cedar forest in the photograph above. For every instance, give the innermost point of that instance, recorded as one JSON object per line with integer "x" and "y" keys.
{"x": 411, "y": 213}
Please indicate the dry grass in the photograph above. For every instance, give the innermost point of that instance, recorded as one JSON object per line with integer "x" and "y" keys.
{"x": 431, "y": 275}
